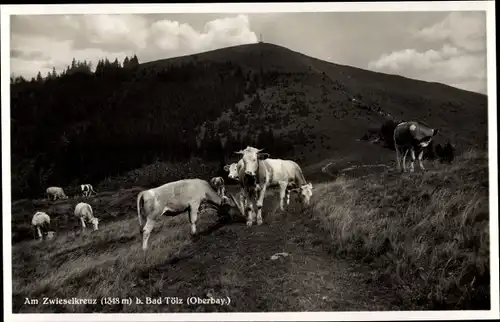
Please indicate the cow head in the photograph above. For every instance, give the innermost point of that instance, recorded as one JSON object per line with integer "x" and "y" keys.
{"x": 250, "y": 158}
{"x": 306, "y": 193}
{"x": 233, "y": 171}
{"x": 427, "y": 140}
{"x": 424, "y": 134}
{"x": 95, "y": 222}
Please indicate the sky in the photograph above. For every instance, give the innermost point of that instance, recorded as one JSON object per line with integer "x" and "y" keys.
{"x": 444, "y": 47}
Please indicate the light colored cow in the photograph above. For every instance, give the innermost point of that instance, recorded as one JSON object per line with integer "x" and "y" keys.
{"x": 40, "y": 221}
{"x": 233, "y": 170}
{"x": 258, "y": 172}
{"x": 87, "y": 189}
{"x": 412, "y": 137}
{"x": 233, "y": 174}
{"x": 174, "y": 198}
{"x": 55, "y": 192}
{"x": 288, "y": 175}
{"x": 218, "y": 184}
{"x": 84, "y": 212}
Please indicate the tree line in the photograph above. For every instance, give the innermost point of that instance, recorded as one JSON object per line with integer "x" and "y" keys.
{"x": 83, "y": 125}
{"x": 83, "y": 67}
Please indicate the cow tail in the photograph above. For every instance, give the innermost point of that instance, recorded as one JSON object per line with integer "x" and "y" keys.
{"x": 139, "y": 216}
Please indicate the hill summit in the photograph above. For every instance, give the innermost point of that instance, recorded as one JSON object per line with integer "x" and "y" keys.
{"x": 87, "y": 126}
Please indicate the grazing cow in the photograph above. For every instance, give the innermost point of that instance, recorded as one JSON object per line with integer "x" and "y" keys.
{"x": 55, "y": 192}
{"x": 174, "y": 198}
{"x": 40, "y": 221}
{"x": 84, "y": 212}
{"x": 412, "y": 137}
{"x": 87, "y": 189}
{"x": 288, "y": 175}
{"x": 218, "y": 184}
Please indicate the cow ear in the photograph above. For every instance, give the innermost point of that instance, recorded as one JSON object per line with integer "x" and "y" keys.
{"x": 239, "y": 152}
{"x": 263, "y": 156}
{"x": 226, "y": 167}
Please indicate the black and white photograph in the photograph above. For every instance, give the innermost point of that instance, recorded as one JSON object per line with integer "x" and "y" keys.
{"x": 285, "y": 161}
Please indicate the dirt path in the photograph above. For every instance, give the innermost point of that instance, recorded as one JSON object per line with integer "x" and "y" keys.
{"x": 234, "y": 261}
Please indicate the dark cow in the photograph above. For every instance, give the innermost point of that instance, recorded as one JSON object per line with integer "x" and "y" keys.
{"x": 87, "y": 189}
{"x": 412, "y": 137}
{"x": 218, "y": 184}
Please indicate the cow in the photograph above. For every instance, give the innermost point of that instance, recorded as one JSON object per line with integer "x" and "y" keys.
{"x": 175, "y": 198}
{"x": 218, "y": 184}
{"x": 87, "y": 189}
{"x": 40, "y": 221}
{"x": 55, "y": 192}
{"x": 288, "y": 175}
{"x": 257, "y": 173}
{"x": 233, "y": 170}
{"x": 83, "y": 211}
{"x": 233, "y": 174}
{"x": 412, "y": 137}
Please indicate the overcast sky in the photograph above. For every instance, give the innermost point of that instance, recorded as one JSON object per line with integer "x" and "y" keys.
{"x": 445, "y": 47}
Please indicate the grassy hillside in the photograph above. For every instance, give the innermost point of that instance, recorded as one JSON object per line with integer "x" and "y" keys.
{"x": 371, "y": 240}
{"x": 84, "y": 127}
{"x": 223, "y": 261}
{"x": 426, "y": 234}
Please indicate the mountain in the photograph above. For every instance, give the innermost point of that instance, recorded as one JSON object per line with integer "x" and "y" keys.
{"x": 86, "y": 126}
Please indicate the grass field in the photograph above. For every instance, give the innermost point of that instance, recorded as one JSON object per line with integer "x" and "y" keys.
{"x": 426, "y": 234}
{"x": 372, "y": 240}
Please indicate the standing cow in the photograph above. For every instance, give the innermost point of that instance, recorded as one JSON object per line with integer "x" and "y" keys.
{"x": 257, "y": 173}
{"x": 174, "y": 198}
{"x": 412, "y": 137}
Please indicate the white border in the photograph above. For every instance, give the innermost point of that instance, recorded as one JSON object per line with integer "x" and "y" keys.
{"x": 488, "y": 6}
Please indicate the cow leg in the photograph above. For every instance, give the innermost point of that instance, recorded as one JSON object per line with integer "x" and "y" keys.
{"x": 283, "y": 192}
{"x": 148, "y": 227}
{"x": 83, "y": 223}
{"x": 287, "y": 194}
{"x": 193, "y": 216}
{"x": 260, "y": 203}
{"x": 412, "y": 164}
{"x": 39, "y": 231}
{"x": 249, "y": 205}
{"x": 398, "y": 163}
{"x": 420, "y": 156}
{"x": 404, "y": 160}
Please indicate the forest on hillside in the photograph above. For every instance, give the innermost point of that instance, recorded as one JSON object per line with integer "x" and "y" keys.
{"x": 83, "y": 125}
